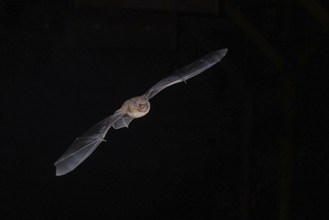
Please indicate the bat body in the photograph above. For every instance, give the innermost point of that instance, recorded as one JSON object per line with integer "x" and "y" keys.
{"x": 133, "y": 108}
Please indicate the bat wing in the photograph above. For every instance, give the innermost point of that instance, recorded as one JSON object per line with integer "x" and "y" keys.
{"x": 84, "y": 145}
{"x": 122, "y": 122}
{"x": 187, "y": 72}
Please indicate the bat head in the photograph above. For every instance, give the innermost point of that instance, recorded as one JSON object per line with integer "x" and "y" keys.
{"x": 138, "y": 107}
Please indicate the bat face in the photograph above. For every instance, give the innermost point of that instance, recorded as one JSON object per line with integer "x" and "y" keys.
{"x": 138, "y": 106}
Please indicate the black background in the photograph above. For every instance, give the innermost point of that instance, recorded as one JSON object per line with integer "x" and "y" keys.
{"x": 246, "y": 139}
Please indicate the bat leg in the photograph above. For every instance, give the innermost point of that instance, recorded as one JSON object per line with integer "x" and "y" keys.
{"x": 122, "y": 122}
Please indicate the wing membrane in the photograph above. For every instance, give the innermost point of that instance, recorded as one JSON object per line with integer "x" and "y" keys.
{"x": 122, "y": 122}
{"x": 187, "y": 72}
{"x": 84, "y": 145}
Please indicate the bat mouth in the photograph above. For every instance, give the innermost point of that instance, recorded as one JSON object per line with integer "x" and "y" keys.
{"x": 142, "y": 108}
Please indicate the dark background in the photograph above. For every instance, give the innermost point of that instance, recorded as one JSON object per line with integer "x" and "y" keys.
{"x": 245, "y": 140}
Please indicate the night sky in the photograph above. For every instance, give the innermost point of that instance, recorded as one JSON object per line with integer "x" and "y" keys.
{"x": 245, "y": 140}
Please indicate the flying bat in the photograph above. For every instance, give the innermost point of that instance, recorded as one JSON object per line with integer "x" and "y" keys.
{"x": 133, "y": 108}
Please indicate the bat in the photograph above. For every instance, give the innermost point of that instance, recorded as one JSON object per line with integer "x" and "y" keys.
{"x": 133, "y": 108}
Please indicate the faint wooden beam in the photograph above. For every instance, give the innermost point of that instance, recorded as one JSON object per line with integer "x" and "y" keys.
{"x": 196, "y": 6}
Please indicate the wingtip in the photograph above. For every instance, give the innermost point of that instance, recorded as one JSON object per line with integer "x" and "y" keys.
{"x": 223, "y": 51}
{"x": 58, "y": 174}
{"x": 62, "y": 170}
{"x": 219, "y": 54}
{"x": 58, "y": 171}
